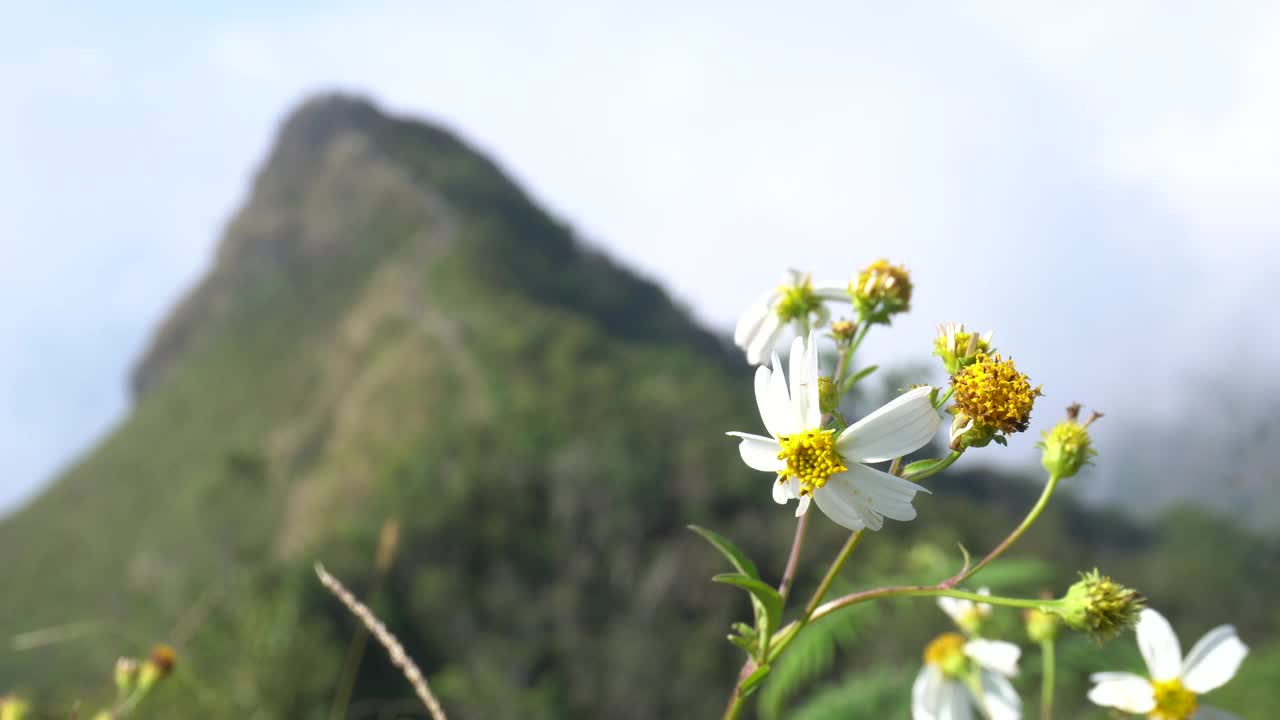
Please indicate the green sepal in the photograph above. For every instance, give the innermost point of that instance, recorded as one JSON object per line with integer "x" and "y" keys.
{"x": 919, "y": 465}
{"x": 735, "y": 556}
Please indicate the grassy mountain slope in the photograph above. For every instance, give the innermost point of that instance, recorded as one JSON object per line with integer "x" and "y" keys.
{"x": 392, "y": 329}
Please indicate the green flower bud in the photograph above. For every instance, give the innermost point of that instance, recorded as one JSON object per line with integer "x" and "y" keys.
{"x": 1041, "y": 625}
{"x": 959, "y": 348}
{"x": 828, "y": 395}
{"x": 1067, "y": 447}
{"x": 1099, "y": 606}
{"x": 157, "y": 667}
{"x": 126, "y": 674}
{"x": 13, "y": 708}
{"x": 881, "y": 291}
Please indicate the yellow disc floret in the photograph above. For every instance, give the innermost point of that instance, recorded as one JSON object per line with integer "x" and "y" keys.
{"x": 993, "y": 394}
{"x": 798, "y": 301}
{"x": 1173, "y": 701}
{"x": 811, "y": 458}
{"x": 947, "y": 653}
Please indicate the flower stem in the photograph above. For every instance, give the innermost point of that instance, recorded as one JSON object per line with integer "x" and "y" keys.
{"x": 793, "y": 560}
{"x": 1027, "y": 522}
{"x": 927, "y": 591}
{"x": 1046, "y": 680}
{"x": 825, "y": 585}
{"x": 944, "y": 397}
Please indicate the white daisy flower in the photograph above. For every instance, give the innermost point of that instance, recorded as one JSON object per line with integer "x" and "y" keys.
{"x": 1175, "y": 684}
{"x": 967, "y": 614}
{"x": 796, "y": 302}
{"x": 812, "y": 463}
{"x": 961, "y": 675}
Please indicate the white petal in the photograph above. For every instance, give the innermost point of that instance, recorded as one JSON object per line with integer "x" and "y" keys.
{"x": 886, "y": 494}
{"x": 802, "y": 507}
{"x": 999, "y": 697}
{"x": 764, "y": 338}
{"x": 760, "y": 453}
{"x": 955, "y": 608}
{"x": 1123, "y": 691}
{"x": 781, "y": 492}
{"x": 926, "y": 693}
{"x": 904, "y": 425}
{"x": 1159, "y": 646}
{"x": 984, "y": 609}
{"x": 810, "y": 407}
{"x": 804, "y": 382}
{"x": 995, "y": 655}
{"x": 1208, "y": 712}
{"x": 765, "y": 400}
{"x": 837, "y": 506}
{"x": 1214, "y": 660}
{"x": 956, "y": 703}
{"x": 784, "y": 419}
{"x": 751, "y": 319}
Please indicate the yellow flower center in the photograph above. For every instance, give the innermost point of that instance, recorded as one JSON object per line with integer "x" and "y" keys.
{"x": 811, "y": 458}
{"x": 1173, "y": 701}
{"x": 798, "y": 301}
{"x": 994, "y": 394}
{"x": 882, "y": 281}
{"x": 947, "y": 653}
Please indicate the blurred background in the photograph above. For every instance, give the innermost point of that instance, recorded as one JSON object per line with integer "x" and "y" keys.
{"x": 285, "y": 275}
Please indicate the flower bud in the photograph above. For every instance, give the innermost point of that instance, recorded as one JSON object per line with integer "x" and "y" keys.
{"x": 828, "y": 395}
{"x": 880, "y": 291}
{"x": 843, "y": 331}
{"x": 157, "y": 667}
{"x": 1041, "y": 626}
{"x": 126, "y": 674}
{"x": 1067, "y": 446}
{"x": 13, "y": 708}
{"x": 1099, "y": 606}
{"x": 959, "y": 348}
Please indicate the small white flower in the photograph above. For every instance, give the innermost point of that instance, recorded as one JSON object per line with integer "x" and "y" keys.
{"x": 966, "y": 614}
{"x": 812, "y": 463}
{"x": 1175, "y": 684}
{"x": 940, "y": 691}
{"x": 796, "y": 302}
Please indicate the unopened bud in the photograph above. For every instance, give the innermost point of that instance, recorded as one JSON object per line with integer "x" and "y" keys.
{"x": 13, "y": 708}
{"x": 157, "y": 667}
{"x": 843, "y": 331}
{"x": 959, "y": 348}
{"x": 828, "y": 395}
{"x": 126, "y": 674}
{"x": 1067, "y": 446}
{"x": 881, "y": 291}
{"x": 1099, "y": 606}
{"x": 1042, "y": 626}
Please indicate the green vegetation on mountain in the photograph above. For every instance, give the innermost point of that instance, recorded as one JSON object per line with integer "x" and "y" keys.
{"x": 393, "y": 329}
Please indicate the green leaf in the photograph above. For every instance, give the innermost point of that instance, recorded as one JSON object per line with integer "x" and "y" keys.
{"x": 740, "y": 561}
{"x": 854, "y": 378}
{"x": 753, "y": 680}
{"x": 769, "y": 598}
{"x": 919, "y": 465}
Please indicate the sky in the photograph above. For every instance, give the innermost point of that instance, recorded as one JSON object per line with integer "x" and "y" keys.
{"x": 1095, "y": 181}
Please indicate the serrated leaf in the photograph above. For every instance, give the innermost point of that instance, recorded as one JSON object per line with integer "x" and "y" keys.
{"x": 753, "y": 680}
{"x": 768, "y": 597}
{"x": 735, "y": 556}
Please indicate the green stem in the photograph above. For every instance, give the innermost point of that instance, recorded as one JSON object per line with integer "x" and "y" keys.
{"x": 1027, "y": 522}
{"x": 935, "y": 468}
{"x": 734, "y": 708}
{"x": 1046, "y": 681}
{"x": 836, "y": 566}
{"x": 926, "y": 591}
